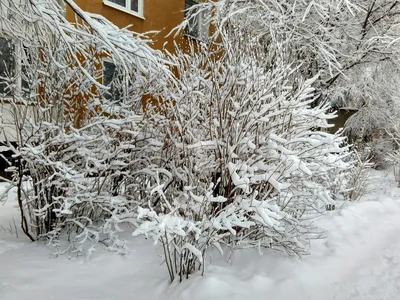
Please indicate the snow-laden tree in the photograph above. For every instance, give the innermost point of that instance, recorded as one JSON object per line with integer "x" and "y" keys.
{"x": 376, "y": 95}
{"x": 342, "y": 42}
{"x": 248, "y": 158}
{"x": 328, "y": 37}
{"x": 80, "y": 144}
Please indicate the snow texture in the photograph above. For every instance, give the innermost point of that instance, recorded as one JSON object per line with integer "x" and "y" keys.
{"x": 359, "y": 259}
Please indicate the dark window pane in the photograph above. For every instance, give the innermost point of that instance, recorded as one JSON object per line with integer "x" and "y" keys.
{"x": 193, "y": 27}
{"x": 119, "y": 2}
{"x": 110, "y": 79}
{"x": 27, "y": 76}
{"x": 108, "y": 73}
{"x": 25, "y": 85}
{"x": 7, "y": 65}
{"x": 135, "y": 5}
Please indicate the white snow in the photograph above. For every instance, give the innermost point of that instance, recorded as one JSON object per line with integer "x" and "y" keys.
{"x": 359, "y": 261}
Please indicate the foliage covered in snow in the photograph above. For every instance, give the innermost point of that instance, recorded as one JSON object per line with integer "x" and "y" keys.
{"x": 249, "y": 158}
{"x": 351, "y": 46}
{"x": 231, "y": 151}
{"x": 73, "y": 144}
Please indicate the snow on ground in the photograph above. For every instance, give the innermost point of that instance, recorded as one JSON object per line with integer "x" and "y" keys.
{"x": 11, "y": 235}
{"x": 360, "y": 260}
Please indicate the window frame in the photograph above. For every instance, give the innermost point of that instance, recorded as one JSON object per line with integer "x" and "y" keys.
{"x": 127, "y": 7}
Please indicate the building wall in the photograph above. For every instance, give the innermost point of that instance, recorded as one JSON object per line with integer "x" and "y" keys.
{"x": 159, "y": 15}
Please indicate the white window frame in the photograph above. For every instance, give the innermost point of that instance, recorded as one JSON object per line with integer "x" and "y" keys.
{"x": 127, "y": 7}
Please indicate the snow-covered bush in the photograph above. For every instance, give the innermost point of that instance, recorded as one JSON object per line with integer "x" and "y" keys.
{"x": 84, "y": 182}
{"x": 369, "y": 126}
{"x": 393, "y": 157}
{"x": 80, "y": 146}
{"x": 351, "y": 184}
{"x": 249, "y": 160}
{"x": 359, "y": 177}
{"x": 233, "y": 152}
{"x": 370, "y": 130}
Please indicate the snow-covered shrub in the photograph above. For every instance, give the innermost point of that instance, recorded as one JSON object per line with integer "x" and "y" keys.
{"x": 82, "y": 148}
{"x": 368, "y": 129}
{"x": 351, "y": 184}
{"x": 249, "y": 161}
{"x": 393, "y": 157}
{"x": 359, "y": 177}
{"x": 378, "y": 150}
{"x": 372, "y": 89}
{"x": 83, "y": 181}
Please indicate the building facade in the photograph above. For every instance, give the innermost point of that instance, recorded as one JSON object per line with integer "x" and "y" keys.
{"x": 142, "y": 16}
{"x": 145, "y": 16}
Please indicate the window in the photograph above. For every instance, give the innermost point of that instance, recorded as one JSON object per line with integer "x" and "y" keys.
{"x": 134, "y": 7}
{"x": 197, "y": 26}
{"x": 11, "y": 70}
{"x": 111, "y": 79}
{"x": 7, "y": 66}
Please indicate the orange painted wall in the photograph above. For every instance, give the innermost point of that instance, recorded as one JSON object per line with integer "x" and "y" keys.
{"x": 160, "y": 15}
